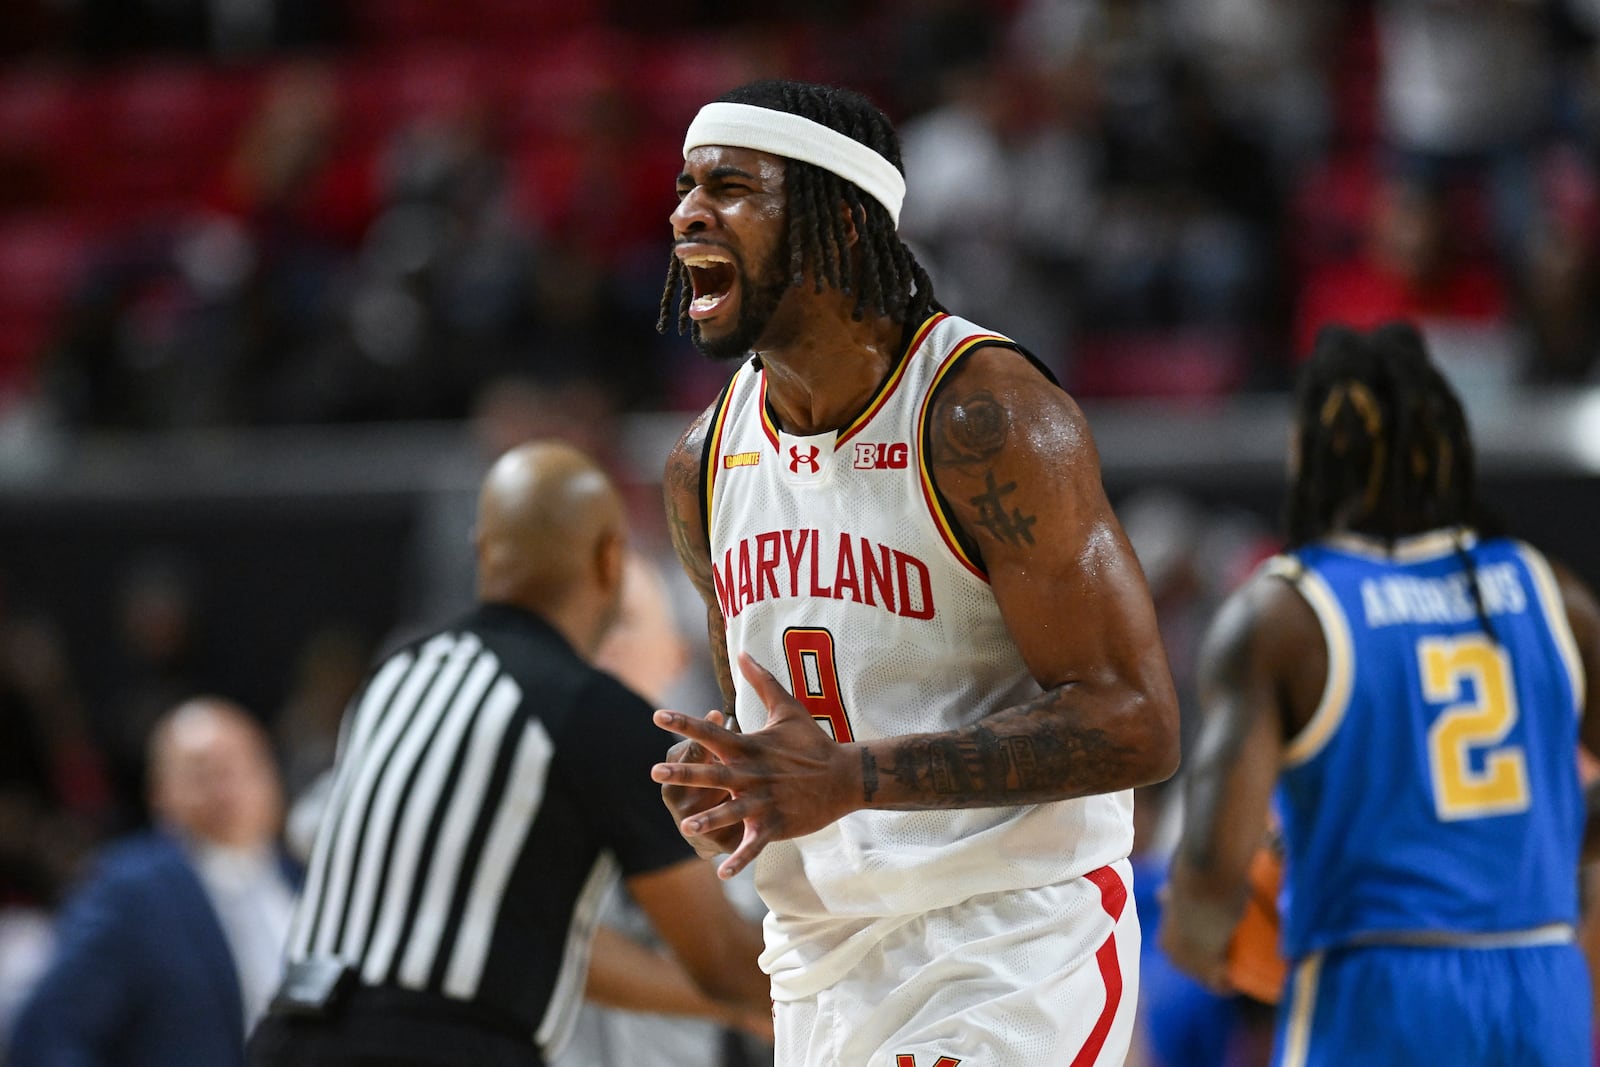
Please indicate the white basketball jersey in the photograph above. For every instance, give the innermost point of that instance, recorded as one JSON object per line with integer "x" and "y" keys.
{"x": 836, "y": 569}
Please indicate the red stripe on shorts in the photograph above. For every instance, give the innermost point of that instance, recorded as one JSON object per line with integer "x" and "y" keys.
{"x": 1113, "y": 897}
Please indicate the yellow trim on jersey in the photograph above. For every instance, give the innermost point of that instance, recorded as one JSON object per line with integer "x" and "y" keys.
{"x": 768, "y": 427}
{"x": 1555, "y": 617}
{"x": 1416, "y": 549}
{"x": 713, "y": 466}
{"x": 1341, "y": 671}
{"x": 1297, "y": 1034}
{"x": 886, "y": 390}
{"x": 942, "y": 521}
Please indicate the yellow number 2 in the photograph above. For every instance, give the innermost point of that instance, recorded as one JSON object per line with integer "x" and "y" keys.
{"x": 1476, "y": 720}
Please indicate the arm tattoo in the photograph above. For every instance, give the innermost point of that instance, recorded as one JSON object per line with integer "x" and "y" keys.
{"x": 869, "y": 775}
{"x": 722, "y": 667}
{"x": 984, "y": 765}
{"x": 679, "y": 531}
{"x": 970, "y": 429}
{"x": 682, "y": 491}
{"x": 1011, "y": 527}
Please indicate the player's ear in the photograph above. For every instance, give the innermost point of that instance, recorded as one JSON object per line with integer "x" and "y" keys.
{"x": 848, "y": 218}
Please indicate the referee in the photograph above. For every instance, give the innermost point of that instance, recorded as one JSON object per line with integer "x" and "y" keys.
{"x": 490, "y": 786}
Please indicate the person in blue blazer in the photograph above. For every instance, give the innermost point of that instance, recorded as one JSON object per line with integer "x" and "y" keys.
{"x": 172, "y": 946}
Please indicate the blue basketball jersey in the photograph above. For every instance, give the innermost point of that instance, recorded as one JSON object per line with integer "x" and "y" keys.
{"x": 1435, "y": 789}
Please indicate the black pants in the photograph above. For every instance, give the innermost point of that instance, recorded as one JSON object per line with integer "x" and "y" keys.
{"x": 376, "y": 1038}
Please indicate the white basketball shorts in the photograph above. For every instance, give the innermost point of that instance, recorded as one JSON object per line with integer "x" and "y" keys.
{"x": 1018, "y": 979}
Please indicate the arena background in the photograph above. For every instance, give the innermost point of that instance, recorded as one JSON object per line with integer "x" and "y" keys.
{"x": 278, "y": 278}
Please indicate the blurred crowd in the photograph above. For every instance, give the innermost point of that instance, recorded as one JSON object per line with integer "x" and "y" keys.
{"x": 276, "y": 212}
{"x": 224, "y": 213}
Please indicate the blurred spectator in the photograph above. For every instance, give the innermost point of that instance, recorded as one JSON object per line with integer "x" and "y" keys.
{"x": 463, "y": 195}
{"x": 330, "y": 667}
{"x": 1561, "y": 298}
{"x": 224, "y": 317}
{"x": 1266, "y": 63}
{"x": 1415, "y": 265}
{"x": 155, "y": 663}
{"x": 1004, "y": 198}
{"x": 230, "y": 29}
{"x": 170, "y": 950}
{"x": 1467, "y": 88}
{"x": 55, "y": 797}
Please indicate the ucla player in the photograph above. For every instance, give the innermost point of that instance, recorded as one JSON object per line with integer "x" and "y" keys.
{"x": 1417, "y": 690}
{"x": 949, "y": 677}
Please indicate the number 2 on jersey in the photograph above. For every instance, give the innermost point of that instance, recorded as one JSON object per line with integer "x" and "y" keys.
{"x": 1478, "y": 720}
{"x": 814, "y": 678}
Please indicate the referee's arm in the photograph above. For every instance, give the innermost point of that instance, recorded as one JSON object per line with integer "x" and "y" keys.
{"x": 689, "y": 909}
{"x": 611, "y": 753}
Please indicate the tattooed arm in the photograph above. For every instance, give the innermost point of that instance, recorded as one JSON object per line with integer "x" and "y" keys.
{"x": 1014, "y": 459}
{"x": 681, "y": 487}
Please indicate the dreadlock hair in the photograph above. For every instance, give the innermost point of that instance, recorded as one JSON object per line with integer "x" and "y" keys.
{"x": 1384, "y": 444}
{"x": 884, "y": 275}
{"x": 1383, "y": 439}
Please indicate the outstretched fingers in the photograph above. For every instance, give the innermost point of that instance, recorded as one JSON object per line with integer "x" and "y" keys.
{"x": 768, "y": 689}
{"x": 755, "y": 839}
{"x": 711, "y": 735}
{"x": 701, "y": 760}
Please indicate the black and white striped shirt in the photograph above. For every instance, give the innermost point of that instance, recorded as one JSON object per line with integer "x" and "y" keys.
{"x": 490, "y": 786}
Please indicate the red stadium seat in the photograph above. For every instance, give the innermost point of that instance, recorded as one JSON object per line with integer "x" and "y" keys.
{"x": 1191, "y": 364}
{"x": 40, "y": 259}
{"x": 42, "y": 113}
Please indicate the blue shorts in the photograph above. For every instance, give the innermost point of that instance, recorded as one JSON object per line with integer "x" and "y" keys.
{"x": 1462, "y": 1007}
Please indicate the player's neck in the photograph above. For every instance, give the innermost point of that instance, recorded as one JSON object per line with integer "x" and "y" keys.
{"x": 822, "y": 377}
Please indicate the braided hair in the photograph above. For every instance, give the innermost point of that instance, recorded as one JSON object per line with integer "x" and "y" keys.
{"x": 883, "y": 275}
{"x": 1383, "y": 442}
{"x": 1380, "y": 429}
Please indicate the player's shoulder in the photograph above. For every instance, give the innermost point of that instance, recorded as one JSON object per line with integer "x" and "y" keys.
{"x": 684, "y": 470}
{"x": 687, "y": 452}
{"x": 1267, "y": 618}
{"x": 997, "y": 402}
{"x": 992, "y": 361}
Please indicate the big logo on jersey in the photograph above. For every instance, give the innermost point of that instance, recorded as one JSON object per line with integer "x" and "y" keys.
{"x": 882, "y": 455}
{"x": 794, "y": 563}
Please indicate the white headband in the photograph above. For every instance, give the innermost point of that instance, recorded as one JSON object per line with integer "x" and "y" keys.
{"x": 794, "y": 137}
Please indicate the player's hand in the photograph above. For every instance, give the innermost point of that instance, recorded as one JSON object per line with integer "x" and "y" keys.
{"x": 1195, "y": 948}
{"x": 785, "y": 780}
{"x": 684, "y": 801}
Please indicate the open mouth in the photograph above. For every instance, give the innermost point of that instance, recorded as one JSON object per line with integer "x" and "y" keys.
{"x": 713, "y": 278}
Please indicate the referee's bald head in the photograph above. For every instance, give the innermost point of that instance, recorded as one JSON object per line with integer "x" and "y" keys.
{"x": 550, "y": 539}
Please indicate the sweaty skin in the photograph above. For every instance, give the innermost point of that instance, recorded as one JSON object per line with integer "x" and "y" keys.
{"x": 1014, "y": 457}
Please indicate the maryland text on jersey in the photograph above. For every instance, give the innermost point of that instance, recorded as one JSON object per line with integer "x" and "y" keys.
{"x": 798, "y": 563}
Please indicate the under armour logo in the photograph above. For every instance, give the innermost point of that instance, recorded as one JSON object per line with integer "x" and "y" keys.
{"x": 809, "y": 458}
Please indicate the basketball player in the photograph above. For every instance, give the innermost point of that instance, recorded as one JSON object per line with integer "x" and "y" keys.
{"x": 1416, "y": 689}
{"x": 949, "y": 675}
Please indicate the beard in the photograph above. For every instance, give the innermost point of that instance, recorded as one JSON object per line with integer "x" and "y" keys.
{"x": 759, "y": 297}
